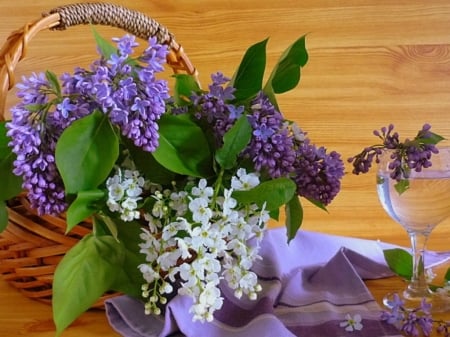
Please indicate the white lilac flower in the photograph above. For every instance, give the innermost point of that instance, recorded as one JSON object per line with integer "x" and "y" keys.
{"x": 248, "y": 281}
{"x": 200, "y": 211}
{"x": 129, "y": 215}
{"x": 178, "y": 202}
{"x": 352, "y": 323}
{"x": 241, "y": 228}
{"x": 232, "y": 274}
{"x": 115, "y": 189}
{"x": 238, "y": 247}
{"x": 228, "y": 203}
{"x": 153, "y": 224}
{"x": 196, "y": 241}
{"x": 165, "y": 288}
{"x": 124, "y": 192}
{"x": 158, "y": 209}
{"x": 170, "y": 231}
{"x": 113, "y": 205}
{"x": 135, "y": 188}
{"x": 168, "y": 260}
{"x": 243, "y": 181}
{"x": 211, "y": 300}
{"x": 183, "y": 248}
{"x": 130, "y": 203}
{"x": 210, "y": 263}
{"x": 200, "y": 237}
{"x": 149, "y": 274}
{"x": 188, "y": 274}
{"x": 246, "y": 260}
{"x": 202, "y": 191}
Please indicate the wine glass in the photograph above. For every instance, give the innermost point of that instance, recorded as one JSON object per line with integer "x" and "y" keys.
{"x": 419, "y": 209}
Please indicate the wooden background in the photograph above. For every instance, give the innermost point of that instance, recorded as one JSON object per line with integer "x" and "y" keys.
{"x": 372, "y": 62}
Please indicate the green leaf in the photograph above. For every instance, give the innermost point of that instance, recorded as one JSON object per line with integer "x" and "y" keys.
{"x": 234, "y": 141}
{"x": 3, "y": 216}
{"x": 249, "y": 76}
{"x": 131, "y": 279}
{"x": 82, "y": 207}
{"x": 318, "y": 204}
{"x": 85, "y": 273}
{"x": 185, "y": 85}
{"x": 110, "y": 225}
{"x": 128, "y": 276}
{"x": 399, "y": 261}
{"x": 146, "y": 164}
{"x": 183, "y": 148}
{"x": 434, "y": 139}
{"x": 447, "y": 275}
{"x": 401, "y": 186}
{"x": 105, "y": 47}
{"x": 11, "y": 184}
{"x": 294, "y": 217}
{"x": 274, "y": 193}
{"x": 286, "y": 74}
{"x": 54, "y": 83}
{"x": 86, "y": 152}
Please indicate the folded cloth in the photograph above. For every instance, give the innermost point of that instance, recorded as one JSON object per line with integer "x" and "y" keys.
{"x": 309, "y": 287}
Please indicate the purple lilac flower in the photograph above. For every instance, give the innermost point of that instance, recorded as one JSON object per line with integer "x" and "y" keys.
{"x": 317, "y": 174}
{"x": 444, "y": 329}
{"x": 34, "y": 144}
{"x": 126, "y": 44}
{"x": 274, "y": 148}
{"x": 410, "y": 155}
{"x": 132, "y": 96}
{"x": 65, "y": 107}
{"x": 272, "y": 145}
{"x": 413, "y": 322}
{"x": 213, "y": 108}
{"x": 30, "y": 89}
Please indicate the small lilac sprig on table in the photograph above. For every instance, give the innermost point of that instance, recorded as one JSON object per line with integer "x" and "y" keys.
{"x": 414, "y": 154}
{"x": 415, "y": 322}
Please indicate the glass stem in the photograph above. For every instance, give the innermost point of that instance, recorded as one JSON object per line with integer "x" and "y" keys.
{"x": 418, "y": 287}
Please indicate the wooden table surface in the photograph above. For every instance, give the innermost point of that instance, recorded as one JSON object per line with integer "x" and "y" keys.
{"x": 372, "y": 62}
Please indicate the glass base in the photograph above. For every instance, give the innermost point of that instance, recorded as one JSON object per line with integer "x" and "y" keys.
{"x": 439, "y": 303}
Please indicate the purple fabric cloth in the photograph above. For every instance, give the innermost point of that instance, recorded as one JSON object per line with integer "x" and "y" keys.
{"x": 308, "y": 288}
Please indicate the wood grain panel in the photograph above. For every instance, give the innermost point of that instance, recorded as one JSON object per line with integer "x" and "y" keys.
{"x": 372, "y": 62}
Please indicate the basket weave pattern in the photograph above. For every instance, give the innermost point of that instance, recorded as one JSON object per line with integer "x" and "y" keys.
{"x": 32, "y": 245}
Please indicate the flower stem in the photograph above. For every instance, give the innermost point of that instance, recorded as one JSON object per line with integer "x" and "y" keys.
{"x": 217, "y": 186}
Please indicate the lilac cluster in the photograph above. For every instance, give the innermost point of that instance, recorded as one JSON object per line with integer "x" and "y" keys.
{"x": 127, "y": 90}
{"x": 409, "y": 155}
{"x": 272, "y": 146}
{"x": 283, "y": 150}
{"x": 318, "y": 174}
{"x": 33, "y": 139}
{"x": 416, "y": 321}
{"x": 213, "y": 108}
{"x": 277, "y": 148}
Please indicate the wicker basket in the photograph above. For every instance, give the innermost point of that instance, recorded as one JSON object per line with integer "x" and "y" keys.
{"x": 32, "y": 245}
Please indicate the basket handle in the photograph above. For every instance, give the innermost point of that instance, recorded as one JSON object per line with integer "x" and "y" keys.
{"x": 106, "y": 14}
